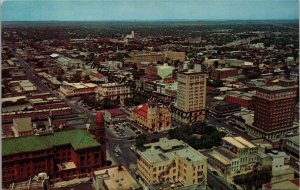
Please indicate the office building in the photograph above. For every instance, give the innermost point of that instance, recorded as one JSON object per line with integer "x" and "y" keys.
{"x": 274, "y": 108}
{"x": 191, "y": 96}
{"x": 171, "y": 161}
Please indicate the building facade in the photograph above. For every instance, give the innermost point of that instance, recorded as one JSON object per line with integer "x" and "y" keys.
{"x": 173, "y": 161}
{"x": 113, "y": 91}
{"x": 62, "y": 155}
{"x": 152, "y": 117}
{"x": 191, "y": 95}
{"x": 274, "y": 108}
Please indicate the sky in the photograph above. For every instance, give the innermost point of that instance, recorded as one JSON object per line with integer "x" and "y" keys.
{"x": 102, "y": 10}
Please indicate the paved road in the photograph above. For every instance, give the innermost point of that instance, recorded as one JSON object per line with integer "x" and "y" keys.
{"x": 217, "y": 182}
{"x": 31, "y": 77}
{"x": 222, "y": 123}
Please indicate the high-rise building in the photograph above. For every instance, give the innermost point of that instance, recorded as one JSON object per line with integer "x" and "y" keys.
{"x": 191, "y": 96}
{"x": 274, "y": 108}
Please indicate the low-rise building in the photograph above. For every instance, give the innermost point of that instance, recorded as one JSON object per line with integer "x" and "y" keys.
{"x": 173, "y": 161}
{"x": 222, "y": 108}
{"x": 244, "y": 149}
{"x": 220, "y": 74}
{"x": 280, "y": 168}
{"x": 114, "y": 115}
{"x": 114, "y": 178}
{"x": 244, "y": 99}
{"x": 283, "y": 184}
{"x": 152, "y": 117}
{"x": 113, "y": 91}
{"x": 22, "y": 127}
{"x": 76, "y": 89}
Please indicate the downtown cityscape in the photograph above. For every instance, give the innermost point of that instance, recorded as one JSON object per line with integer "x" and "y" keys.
{"x": 98, "y": 95}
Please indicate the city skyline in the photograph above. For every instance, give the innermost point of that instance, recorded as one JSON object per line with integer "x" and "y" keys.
{"x": 148, "y": 10}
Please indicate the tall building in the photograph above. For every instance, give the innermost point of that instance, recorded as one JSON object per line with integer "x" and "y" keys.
{"x": 100, "y": 135}
{"x": 274, "y": 108}
{"x": 171, "y": 162}
{"x": 191, "y": 95}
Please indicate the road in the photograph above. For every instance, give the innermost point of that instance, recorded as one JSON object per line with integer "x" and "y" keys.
{"x": 217, "y": 123}
{"x": 31, "y": 77}
{"x": 217, "y": 182}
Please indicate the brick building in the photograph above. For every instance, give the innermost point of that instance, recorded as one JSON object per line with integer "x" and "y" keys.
{"x": 62, "y": 155}
{"x": 244, "y": 99}
{"x": 274, "y": 108}
{"x": 220, "y": 74}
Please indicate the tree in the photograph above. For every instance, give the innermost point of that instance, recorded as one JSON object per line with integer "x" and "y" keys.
{"x": 141, "y": 140}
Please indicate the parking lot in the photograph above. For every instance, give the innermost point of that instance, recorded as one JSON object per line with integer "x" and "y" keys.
{"x": 124, "y": 129}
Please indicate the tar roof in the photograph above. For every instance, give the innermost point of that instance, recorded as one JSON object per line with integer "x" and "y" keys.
{"x": 79, "y": 139}
{"x": 23, "y": 124}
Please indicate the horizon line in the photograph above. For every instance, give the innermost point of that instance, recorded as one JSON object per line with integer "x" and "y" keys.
{"x": 138, "y": 20}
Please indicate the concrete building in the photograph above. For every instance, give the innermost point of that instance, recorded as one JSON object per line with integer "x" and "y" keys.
{"x": 114, "y": 178}
{"x": 174, "y": 56}
{"x": 173, "y": 161}
{"x": 22, "y": 127}
{"x": 243, "y": 149}
{"x": 148, "y": 57}
{"x": 274, "y": 108}
{"x": 164, "y": 71}
{"x": 191, "y": 95}
{"x": 280, "y": 168}
{"x": 113, "y": 91}
{"x": 223, "y": 160}
{"x": 76, "y": 89}
{"x": 222, "y": 108}
{"x": 152, "y": 117}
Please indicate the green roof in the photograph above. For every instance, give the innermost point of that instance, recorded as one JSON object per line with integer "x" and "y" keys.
{"x": 79, "y": 139}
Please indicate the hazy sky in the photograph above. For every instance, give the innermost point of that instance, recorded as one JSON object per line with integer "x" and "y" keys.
{"x": 29, "y": 10}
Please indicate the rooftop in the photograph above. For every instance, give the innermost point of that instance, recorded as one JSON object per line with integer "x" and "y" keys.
{"x": 239, "y": 142}
{"x": 169, "y": 149}
{"x": 22, "y": 124}
{"x": 79, "y": 139}
{"x": 116, "y": 178}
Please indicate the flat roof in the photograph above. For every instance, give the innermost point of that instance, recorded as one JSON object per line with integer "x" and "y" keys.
{"x": 168, "y": 149}
{"x": 79, "y": 139}
{"x": 117, "y": 178}
{"x": 219, "y": 158}
{"x": 239, "y": 142}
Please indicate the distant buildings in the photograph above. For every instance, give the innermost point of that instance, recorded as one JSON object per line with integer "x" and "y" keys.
{"x": 64, "y": 155}
{"x": 274, "y": 108}
{"x": 221, "y": 74}
{"x": 152, "y": 117}
{"x": 76, "y": 89}
{"x": 173, "y": 162}
{"x": 191, "y": 95}
{"x": 152, "y": 57}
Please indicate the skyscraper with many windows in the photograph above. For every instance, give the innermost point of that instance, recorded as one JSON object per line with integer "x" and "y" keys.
{"x": 191, "y": 96}
{"x": 274, "y": 108}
